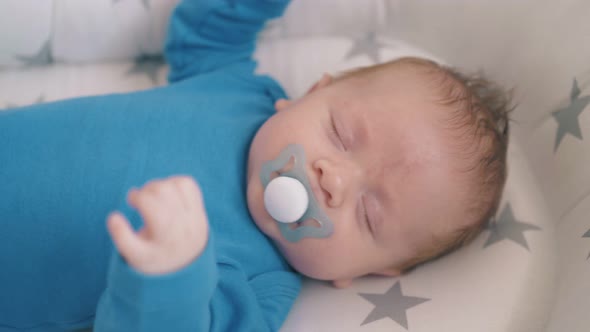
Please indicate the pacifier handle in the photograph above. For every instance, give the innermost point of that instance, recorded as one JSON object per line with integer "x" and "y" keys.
{"x": 285, "y": 199}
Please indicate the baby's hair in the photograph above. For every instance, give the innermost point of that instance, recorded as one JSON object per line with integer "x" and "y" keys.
{"x": 479, "y": 120}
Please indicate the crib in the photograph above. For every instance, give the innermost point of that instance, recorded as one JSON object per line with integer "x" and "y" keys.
{"x": 528, "y": 271}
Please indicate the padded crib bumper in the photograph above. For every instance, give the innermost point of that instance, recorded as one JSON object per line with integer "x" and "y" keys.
{"x": 34, "y": 32}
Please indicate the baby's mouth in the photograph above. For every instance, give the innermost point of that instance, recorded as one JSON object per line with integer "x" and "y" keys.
{"x": 313, "y": 221}
{"x": 306, "y": 222}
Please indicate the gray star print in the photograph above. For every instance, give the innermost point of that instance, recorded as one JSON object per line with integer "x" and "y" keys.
{"x": 148, "y": 65}
{"x": 42, "y": 57}
{"x": 567, "y": 117}
{"x": 507, "y": 227}
{"x": 368, "y": 45}
{"x": 392, "y": 304}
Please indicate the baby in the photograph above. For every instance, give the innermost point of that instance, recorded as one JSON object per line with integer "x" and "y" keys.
{"x": 408, "y": 158}
{"x": 400, "y": 162}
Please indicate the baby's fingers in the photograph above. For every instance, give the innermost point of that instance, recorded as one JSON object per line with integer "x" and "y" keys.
{"x": 190, "y": 192}
{"x": 153, "y": 204}
{"x": 127, "y": 242}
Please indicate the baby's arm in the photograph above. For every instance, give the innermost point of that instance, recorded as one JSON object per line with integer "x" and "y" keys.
{"x": 170, "y": 279}
{"x": 205, "y": 35}
{"x": 165, "y": 274}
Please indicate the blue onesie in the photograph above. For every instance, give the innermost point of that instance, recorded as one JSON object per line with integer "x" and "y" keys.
{"x": 65, "y": 165}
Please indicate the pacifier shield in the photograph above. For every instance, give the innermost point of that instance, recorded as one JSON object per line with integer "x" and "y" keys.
{"x": 293, "y": 200}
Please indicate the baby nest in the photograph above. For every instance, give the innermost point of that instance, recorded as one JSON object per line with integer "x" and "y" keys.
{"x": 528, "y": 271}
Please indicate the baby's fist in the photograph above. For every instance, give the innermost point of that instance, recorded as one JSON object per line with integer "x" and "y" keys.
{"x": 175, "y": 229}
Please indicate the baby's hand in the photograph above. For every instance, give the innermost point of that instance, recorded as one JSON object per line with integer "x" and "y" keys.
{"x": 175, "y": 227}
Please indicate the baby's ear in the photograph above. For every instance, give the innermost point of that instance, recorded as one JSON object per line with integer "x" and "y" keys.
{"x": 281, "y": 104}
{"x": 324, "y": 81}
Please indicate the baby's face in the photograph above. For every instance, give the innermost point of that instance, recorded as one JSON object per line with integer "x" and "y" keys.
{"x": 380, "y": 167}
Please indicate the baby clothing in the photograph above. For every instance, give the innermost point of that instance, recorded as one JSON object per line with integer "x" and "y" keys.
{"x": 64, "y": 166}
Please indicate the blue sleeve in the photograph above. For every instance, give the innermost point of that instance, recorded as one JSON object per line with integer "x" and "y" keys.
{"x": 204, "y": 296}
{"x": 204, "y": 35}
{"x": 178, "y": 301}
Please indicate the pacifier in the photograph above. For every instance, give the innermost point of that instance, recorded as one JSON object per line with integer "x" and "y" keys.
{"x": 289, "y": 199}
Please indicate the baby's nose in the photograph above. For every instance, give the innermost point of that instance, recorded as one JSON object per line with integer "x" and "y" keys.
{"x": 335, "y": 180}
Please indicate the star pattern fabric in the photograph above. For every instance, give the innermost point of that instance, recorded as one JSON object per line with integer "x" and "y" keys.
{"x": 41, "y": 58}
{"x": 568, "y": 117}
{"x": 507, "y": 227}
{"x": 393, "y": 304}
{"x": 368, "y": 45}
{"x": 148, "y": 65}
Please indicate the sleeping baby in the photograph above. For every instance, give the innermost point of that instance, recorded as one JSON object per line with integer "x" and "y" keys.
{"x": 198, "y": 206}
